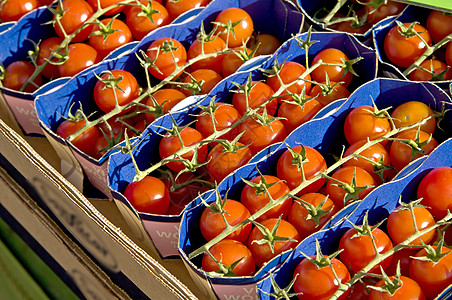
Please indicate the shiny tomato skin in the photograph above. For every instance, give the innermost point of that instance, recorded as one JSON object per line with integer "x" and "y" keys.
{"x": 434, "y": 65}
{"x": 403, "y": 258}
{"x": 164, "y": 60}
{"x": 295, "y": 115}
{"x": 317, "y": 283}
{"x": 402, "y": 51}
{"x": 167, "y": 97}
{"x": 266, "y": 44}
{"x": 171, "y": 144}
{"x": 76, "y": 12}
{"x": 435, "y": 189}
{"x": 259, "y": 93}
{"x": 13, "y": 10}
{"x": 255, "y": 202}
{"x": 46, "y": 48}
{"x": 338, "y": 92}
{"x": 242, "y": 31}
{"x": 408, "y": 290}
{"x": 228, "y": 252}
{"x": 105, "y": 4}
{"x": 232, "y": 61}
{"x": 80, "y": 57}
{"x": 142, "y": 25}
{"x": 126, "y": 91}
{"x": 182, "y": 196}
{"x": 433, "y": 278}
{"x": 411, "y": 112}
{"x": 439, "y": 25}
{"x": 361, "y": 123}
{"x": 85, "y": 141}
{"x": 208, "y": 77}
{"x": 262, "y": 252}
{"x": 290, "y": 73}
{"x": 335, "y": 73}
{"x": 214, "y": 45}
{"x": 149, "y": 195}
{"x": 176, "y": 8}
{"x": 391, "y": 8}
{"x": 359, "y": 251}
{"x": 104, "y": 45}
{"x": 314, "y": 165}
{"x": 225, "y": 116}
{"x": 17, "y": 73}
{"x": 212, "y": 223}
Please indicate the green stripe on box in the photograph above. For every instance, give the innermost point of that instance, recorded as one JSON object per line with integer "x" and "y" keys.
{"x": 433, "y": 4}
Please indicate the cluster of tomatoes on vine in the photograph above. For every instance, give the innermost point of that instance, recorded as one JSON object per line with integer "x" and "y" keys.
{"x": 86, "y": 33}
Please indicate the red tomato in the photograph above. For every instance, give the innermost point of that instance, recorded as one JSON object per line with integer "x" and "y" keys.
{"x": 212, "y": 222}
{"x": 337, "y": 91}
{"x": 126, "y": 90}
{"x": 290, "y": 74}
{"x": 401, "y": 154}
{"x": 140, "y": 24}
{"x": 167, "y": 53}
{"x": 167, "y": 98}
{"x": 46, "y": 48}
{"x": 362, "y": 123}
{"x": 228, "y": 252}
{"x": 225, "y": 116}
{"x": 149, "y": 195}
{"x": 118, "y": 34}
{"x": 259, "y": 93}
{"x": 221, "y": 162}
{"x": 403, "y": 51}
{"x": 335, "y": 73}
{"x": 255, "y": 199}
{"x": 403, "y": 258}
{"x": 80, "y": 57}
{"x": 439, "y": 25}
{"x": 411, "y": 112}
{"x": 13, "y": 10}
{"x": 339, "y": 195}
{"x": 434, "y": 66}
{"x": 359, "y": 251}
{"x": 298, "y": 214}
{"x": 17, "y": 73}
{"x": 449, "y": 54}
{"x": 181, "y": 193}
{"x": 206, "y": 78}
{"x": 433, "y": 277}
{"x": 105, "y": 4}
{"x": 289, "y": 168}
{"x": 436, "y": 191}
{"x": 294, "y": 114}
{"x": 391, "y": 8}
{"x": 262, "y": 252}
{"x": 320, "y": 283}
{"x": 409, "y": 289}
{"x": 210, "y": 45}
{"x": 176, "y": 8}
{"x": 76, "y": 12}
{"x": 232, "y": 61}
{"x": 171, "y": 144}
{"x": 259, "y": 136}
{"x": 242, "y": 31}
{"x": 266, "y": 44}
{"x": 85, "y": 141}
{"x": 351, "y": 26}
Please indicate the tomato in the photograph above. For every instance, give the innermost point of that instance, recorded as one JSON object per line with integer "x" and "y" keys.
{"x": 351, "y": 26}
{"x": 105, "y": 4}
{"x": 449, "y": 54}
{"x": 401, "y": 154}
{"x": 408, "y": 289}
{"x": 319, "y": 282}
{"x": 171, "y": 144}
{"x": 167, "y": 53}
{"x": 107, "y": 40}
{"x": 404, "y": 51}
{"x": 17, "y": 73}
{"x": 256, "y": 198}
{"x": 205, "y": 78}
{"x": 221, "y": 162}
{"x": 433, "y": 66}
{"x": 439, "y": 25}
{"x": 182, "y": 192}
{"x": 294, "y": 114}
{"x": 13, "y": 10}
{"x": 46, "y": 48}
{"x": 149, "y": 195}
{"x": 212, "y": 222}
{"x": 229, "y": 252}
{"x": 177, "y": 7}
{"x": 210, "y": 46}
{"x": 403, "y": 258}
{"x": 376, "y": 153}
{"x": 75, "y": 13}
{"x": 259, "y": 136}
{"x": 362, "y": 123}
{"x": 312, "y": 163}
{"x": 80, "y": 57}
{"x": 265, "y": 43}
{"x": 140, "y": 24}
{"x": 433, "y": 277}
{"x": 358, "y": 250}
{"x": 298, "y": 215}
{"x": 225, "y": 116}
{"x": 106, "y": 95}
{"x": 242, "y": 31}
{"x": 391, "y": 8}
{"x": 261, "y": 251}
{"x": 359, "y": 290}
{"x": 232, "y": 61}
{"x": 400, "y": 225}
{"x": 101, "y": 147}
{"x": 335, "y": 73}
{"x": 436, "y": 191}
{"x": 85, "y": 141}
{"x": 290, "y": 74}
{"x": 363, "y": 180}
{"x": 259, "y": 93}
{"x": 165, "y": 97}
{"x": 411, "y": 112}
{"x": 325, "y": 97}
